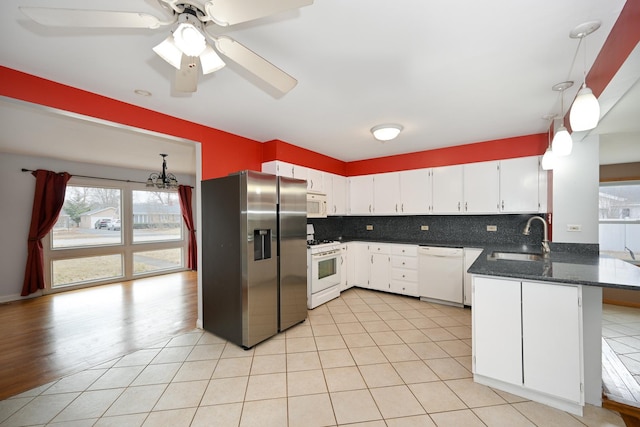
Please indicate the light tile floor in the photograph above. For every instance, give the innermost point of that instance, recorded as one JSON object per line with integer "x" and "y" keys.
{"x": 621, "y": 330}
{"x": 364, "y": 359}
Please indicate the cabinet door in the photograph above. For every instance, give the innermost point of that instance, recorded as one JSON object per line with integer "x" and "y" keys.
{"x": 299, "y": 172}
{"x": 357, "y": 264}
{"x": 344, "y": 269}
{"x": 315, "y": 183}
{"x": 481, "y": 187}
{"x": 447, "y": 189}
{"x": 386, "y": 193}
{"x": 416, "y": 192}
{"x": 379, "y": 274}
{"x": 497, "y": 339}
{"x": 543, "y": 191}
{"x": 551, "y": 339}
{"x": 339, "y": 200}
{"x": 470, "y": 256}
{"x": 361, "y": 195}
{"x": 519, "y": 185}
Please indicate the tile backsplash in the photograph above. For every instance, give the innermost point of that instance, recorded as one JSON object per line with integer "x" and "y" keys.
{"x": 443, "y": 229}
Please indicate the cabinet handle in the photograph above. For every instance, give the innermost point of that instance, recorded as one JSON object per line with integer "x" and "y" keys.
{"x": 403, "y": 264}
{"x": 371, "y": 259}
{"x": 334, "y": 208}
{"x": 458, "y": 206}
{"x": 292, "y": 172}
{"x": 311, "y": 183}
{"x": 465, "y": 206}
{"x": 369, "y": 208}
{"x": 503, "y": 205}
{"x": 396, "y": 207}
{"x": 402, "y": 207}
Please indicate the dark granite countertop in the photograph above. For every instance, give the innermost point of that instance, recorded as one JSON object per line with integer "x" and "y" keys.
{"x": 582, "y": 268}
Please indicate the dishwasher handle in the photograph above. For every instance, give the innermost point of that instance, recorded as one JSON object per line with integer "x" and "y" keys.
{"x": 440, "y": 252}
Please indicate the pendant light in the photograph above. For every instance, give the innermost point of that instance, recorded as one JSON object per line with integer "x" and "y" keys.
{"x": 562, "y": 142}
{"x": 549, "y": 158}
{"x": 585, "y": 111}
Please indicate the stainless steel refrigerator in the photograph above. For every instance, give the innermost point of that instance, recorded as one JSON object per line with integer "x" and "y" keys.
{"x": 254, "y": 263}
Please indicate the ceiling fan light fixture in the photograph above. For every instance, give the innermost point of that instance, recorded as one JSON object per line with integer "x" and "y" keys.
{"x": 210, "y": 61}
{"x": 189, "y": 39}
{"x": 386, "y": 132}
{"x": 168, "y": 51}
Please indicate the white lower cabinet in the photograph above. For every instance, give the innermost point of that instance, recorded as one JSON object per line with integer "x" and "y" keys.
{"x": 404, "y": 270}
{"x": 536, "y": 340}
{"x": 344, "y": 273}
{"x": 357, "y": 264}
{"x": 470, "y": 256}
{"x": 379, "y": 268}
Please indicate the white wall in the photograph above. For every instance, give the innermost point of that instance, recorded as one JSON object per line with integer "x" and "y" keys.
{"x": 16, "y": 202}
{"x": 575, "y": 193}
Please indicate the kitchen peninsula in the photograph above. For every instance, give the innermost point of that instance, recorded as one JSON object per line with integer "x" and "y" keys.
{"x": 537, "y": 322}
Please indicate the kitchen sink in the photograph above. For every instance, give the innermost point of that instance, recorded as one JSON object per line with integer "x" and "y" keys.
{"x": 514, "y": 256}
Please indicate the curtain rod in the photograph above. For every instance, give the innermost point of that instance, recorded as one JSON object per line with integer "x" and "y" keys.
{"x": 99, "y": 177}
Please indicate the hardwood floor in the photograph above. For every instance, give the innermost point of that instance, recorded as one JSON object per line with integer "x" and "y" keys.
{"x": 45, "y": 338}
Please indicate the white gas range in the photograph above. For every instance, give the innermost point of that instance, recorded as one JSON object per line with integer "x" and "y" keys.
{"x": 323, "y": 269}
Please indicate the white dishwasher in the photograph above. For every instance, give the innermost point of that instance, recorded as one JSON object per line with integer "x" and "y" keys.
{"x": 441, "y": 275}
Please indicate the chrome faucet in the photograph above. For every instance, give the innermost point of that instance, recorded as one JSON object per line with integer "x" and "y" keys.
{"x": 545, "y": 239}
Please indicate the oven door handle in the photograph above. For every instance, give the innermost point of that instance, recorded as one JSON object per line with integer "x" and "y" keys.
{"x": 327, "y": 254}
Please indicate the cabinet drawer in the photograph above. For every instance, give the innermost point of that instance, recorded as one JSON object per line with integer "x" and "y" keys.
{"x": 404, "y": 288}
{"x": 404, "y": 262}
{"x": 379, "y": 248}
{"x": 404, "y": 250}
{"x": 404, "y": 275}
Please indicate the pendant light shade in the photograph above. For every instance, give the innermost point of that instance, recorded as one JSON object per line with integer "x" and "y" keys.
{"x": 585, "y": 111}
{"x": 548, "y": 160}
{"x": 562, "y": 142}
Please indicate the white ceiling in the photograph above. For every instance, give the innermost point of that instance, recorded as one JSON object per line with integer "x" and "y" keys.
{"x": 451, "y": 73}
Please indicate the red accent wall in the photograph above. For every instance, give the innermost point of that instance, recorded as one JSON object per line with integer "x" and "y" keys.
{"x": 531, "y": 145}
{"x": 222, "y": 152}
{"x": 280, "y": 150}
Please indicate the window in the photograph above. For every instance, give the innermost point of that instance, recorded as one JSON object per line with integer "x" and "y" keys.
{"x": 619, "y": 212}
{"x": 113, "y": 231}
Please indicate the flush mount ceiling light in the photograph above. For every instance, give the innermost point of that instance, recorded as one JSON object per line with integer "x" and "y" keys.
{"x": 163, "y": 180}
{"x": 585, "y": 111}
{"x": 562, "y": 142}
{"x": 386, "y": 132}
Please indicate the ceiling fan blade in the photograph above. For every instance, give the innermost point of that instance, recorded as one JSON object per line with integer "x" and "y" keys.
{"x": 187, "y": 75}
{"x": 80, "y": 18}
{"x": 255, "y": 64}
{"x": 230, "y": 12}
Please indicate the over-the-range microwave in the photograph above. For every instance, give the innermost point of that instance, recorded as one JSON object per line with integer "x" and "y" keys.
{"x": 316, "y": 205}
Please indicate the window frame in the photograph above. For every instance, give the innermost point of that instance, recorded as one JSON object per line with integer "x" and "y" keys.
{"x": 126, "y": 248}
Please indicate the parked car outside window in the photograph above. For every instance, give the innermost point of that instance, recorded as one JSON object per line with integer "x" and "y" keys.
{"x": 114, "y": 225}
{"x": 102, "y": 223}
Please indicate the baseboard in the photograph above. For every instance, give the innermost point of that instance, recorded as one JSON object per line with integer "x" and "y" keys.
{"x": 621, "y": 303}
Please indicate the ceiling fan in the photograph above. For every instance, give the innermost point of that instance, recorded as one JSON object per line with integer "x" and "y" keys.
{"x": 192, "y": 23}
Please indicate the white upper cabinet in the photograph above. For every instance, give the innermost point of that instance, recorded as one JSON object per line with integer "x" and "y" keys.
{"x": 315, "y": 181}
{"x": 519, "y": 180}
{"x": 361, "y": 195}
{"x": 277, "y": 167}
{"x": 448, "y": 189}
{"x": 335, "y": 187}
{"x": 386, "y": 193}
{"x": 481, "y": 187}
{"x": 416, "y": 192}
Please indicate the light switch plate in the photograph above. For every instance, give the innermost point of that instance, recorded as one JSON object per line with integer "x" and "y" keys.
{"x": 424, "y": 227}
{"x": 574, "y": 227}
{"x": 492, "y": 228}
{"x": 369, "y": 227}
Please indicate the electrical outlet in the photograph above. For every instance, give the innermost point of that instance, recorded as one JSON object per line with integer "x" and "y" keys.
{"x": 369, "y": 227}
{"x": 574, "y": 227}
{"x": 492, "y": 228}
{"x": 424, "y": 227}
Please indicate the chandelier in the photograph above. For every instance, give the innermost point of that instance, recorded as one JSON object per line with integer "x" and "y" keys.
{"x": 163, "y": 180}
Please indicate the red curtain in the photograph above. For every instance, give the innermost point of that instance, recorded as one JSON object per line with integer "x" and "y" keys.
{"x": 184, "y": 191}
{"x": 47, "y": 203}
